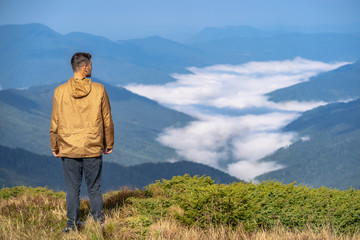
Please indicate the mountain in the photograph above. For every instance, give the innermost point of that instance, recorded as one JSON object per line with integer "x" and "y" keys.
{"x": 165, "y": 55}
{"x": 45, "y": 58}
{"x": 325, "y": 47}
{"x": 217, "y": 33}
{"x": 25, "y": 121}
{"x": 340, "y": 84}
{"x": 21, "y": 167}
{"x": 44, "y": 55}
{"x": 327, "y": 152}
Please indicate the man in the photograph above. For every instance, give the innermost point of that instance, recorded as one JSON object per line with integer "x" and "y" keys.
{"x": 81, "y": 130}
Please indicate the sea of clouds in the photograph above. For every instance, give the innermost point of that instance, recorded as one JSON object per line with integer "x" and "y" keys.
{"x": 236, "y": 124}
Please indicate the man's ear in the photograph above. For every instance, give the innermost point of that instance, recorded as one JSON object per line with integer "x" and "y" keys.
{"x": 83, "y": 68}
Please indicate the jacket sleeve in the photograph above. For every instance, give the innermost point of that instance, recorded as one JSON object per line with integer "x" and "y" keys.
{"x": 54, "y": 125}
{"x": 108, "y": 122}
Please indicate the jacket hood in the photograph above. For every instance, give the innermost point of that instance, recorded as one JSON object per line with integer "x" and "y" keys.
{"x": 79, "y": 87}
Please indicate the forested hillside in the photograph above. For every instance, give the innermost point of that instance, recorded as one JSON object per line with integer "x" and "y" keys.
{"x": 340, "y": 84}
{"x": 20, "y": 167}
{"x": 327, "y": 152}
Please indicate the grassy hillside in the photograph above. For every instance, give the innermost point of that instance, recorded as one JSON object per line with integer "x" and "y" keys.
{"x": 25, "y": 121}
{"x": 328, "y": 153}
{"x": 189, "y": 208}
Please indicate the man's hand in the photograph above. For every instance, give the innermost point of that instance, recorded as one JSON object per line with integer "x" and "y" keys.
{"x": 56, "y": 153}
{"x": 108, "y": 150}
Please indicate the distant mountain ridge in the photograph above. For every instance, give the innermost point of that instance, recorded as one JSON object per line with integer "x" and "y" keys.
{"x": 324, "y": 47}
{"x": 25, "y": 121}
{"x": 327, "y": 152}
{"x": 20, "y": 167}
{"x": 217, "y": 33}
{"x": 44, "y": 54}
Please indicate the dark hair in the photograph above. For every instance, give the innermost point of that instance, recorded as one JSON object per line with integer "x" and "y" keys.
{"x": 80, "y": 59}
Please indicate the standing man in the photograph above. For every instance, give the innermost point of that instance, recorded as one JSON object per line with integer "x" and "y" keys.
{"x": 81, "y": 131}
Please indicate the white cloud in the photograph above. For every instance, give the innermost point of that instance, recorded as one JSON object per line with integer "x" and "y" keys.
{"x": 288, "y": 67}
{"x": 233, "y": 86}
{"x": 217, "y": 138}
{"x": 203, "y": 141}
{"x": 248, "y": 169}
{"x": 212, "y": 139}
{"x": 305, "y": 138}
{"x": 295, "y": 105}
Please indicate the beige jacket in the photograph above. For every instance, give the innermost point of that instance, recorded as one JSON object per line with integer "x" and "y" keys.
{"x": 81, "y": 123}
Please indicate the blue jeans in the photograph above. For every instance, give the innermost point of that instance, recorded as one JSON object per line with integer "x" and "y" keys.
{"x": 73, "y": 172}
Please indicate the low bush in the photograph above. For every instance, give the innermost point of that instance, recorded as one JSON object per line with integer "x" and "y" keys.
{"x": 253, "y": 206}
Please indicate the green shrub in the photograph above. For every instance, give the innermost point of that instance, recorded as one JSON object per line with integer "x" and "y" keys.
{"x": 154, "y": 207}
{"x": 254, "y": 206}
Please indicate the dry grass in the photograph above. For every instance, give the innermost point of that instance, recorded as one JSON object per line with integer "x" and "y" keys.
{"x": 28, "y": 217}
{"x": 173, "y": 230}
{"x": 43, "y": 217}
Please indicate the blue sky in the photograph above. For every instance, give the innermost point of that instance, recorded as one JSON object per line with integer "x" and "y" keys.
{"x": 119, "y": 19}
